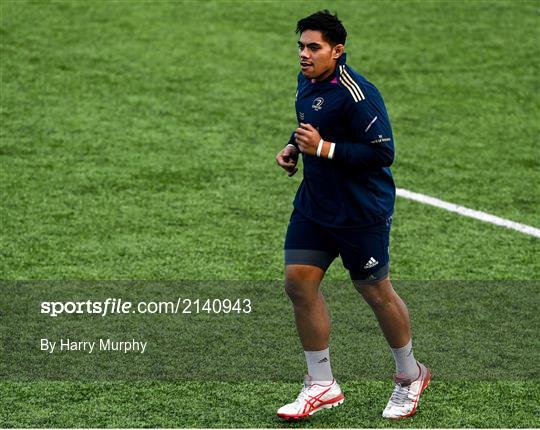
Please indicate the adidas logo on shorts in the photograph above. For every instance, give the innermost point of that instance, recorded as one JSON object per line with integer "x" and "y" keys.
{"x": 371, "y": 263}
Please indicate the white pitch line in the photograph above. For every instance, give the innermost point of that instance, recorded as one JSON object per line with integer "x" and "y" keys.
{"x": 461, "y": 210}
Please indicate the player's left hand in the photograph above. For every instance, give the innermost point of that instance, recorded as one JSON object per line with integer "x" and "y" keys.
{"x": 307, "y": 137}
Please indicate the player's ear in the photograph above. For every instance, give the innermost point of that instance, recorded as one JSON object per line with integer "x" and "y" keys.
{"x": 338, "y": 51}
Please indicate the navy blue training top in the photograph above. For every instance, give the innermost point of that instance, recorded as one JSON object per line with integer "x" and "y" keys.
{"x": 355, "y": 188}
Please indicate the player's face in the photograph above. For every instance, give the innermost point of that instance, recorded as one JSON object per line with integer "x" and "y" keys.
{"x": 317, "y": 56}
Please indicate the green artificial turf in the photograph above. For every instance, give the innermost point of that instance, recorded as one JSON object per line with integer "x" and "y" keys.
{"x": 218, "y": 404}
{"x": 138, "y": 143}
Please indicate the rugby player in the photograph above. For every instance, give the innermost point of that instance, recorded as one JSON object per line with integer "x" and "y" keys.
{"x": 343, "y": 206}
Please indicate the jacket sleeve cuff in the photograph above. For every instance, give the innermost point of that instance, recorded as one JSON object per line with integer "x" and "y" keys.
{"x": 292, "y": 141}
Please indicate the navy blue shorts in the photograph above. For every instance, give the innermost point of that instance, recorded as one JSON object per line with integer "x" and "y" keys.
{"x": 364, "y": 250}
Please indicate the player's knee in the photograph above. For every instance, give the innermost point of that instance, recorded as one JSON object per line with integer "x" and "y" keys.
{"x": 376, "y": 301}
{"x": 292, "y": 291}
{"x": 299, "y": 287}
{"x": 298, "y": 291}
{"x": 376, "y": 295}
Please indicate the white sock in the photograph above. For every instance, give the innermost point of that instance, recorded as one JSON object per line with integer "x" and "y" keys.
{"x": 406, "y": 366}
{"x": 318, "y": 363}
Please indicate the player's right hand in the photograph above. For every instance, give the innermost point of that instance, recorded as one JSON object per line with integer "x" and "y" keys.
{"x": 288, "y": 158}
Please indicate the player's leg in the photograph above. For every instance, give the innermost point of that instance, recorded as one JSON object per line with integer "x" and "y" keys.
{"x": 411, "y": 376}
{"x": 393, "y": 317}
{"x": 365, "y": 252}
{"x": 311, "y": 315}
{"x": 390, "y": 310}
{"x": 308, "y": 253}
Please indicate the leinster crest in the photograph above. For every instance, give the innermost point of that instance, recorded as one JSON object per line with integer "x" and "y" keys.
{"x": 317, "y": 103}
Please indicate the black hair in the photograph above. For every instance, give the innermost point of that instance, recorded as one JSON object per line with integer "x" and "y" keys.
{"x": 329, "y": 25}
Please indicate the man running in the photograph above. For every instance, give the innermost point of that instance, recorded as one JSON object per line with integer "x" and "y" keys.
{"x": 343, "y": 206}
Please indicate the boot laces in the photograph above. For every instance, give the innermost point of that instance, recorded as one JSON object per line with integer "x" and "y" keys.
{"x": 303, "y": 393}
{"x": 400, "y": 394}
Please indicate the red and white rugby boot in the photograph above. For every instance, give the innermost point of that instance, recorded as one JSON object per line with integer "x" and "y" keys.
{"x": 404, "y": 399}
{"x": 311, "y": 399}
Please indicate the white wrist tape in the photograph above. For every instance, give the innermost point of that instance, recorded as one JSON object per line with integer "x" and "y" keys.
{"x": 331, "y": 152}
{"x": 319, "y": 148}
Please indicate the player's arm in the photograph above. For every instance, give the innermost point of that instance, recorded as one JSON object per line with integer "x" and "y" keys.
{"x": 287, "y": 158}
{"x": 372, "y": 148}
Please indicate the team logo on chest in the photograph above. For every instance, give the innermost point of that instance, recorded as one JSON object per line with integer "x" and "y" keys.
{"x": 317, "y": 103}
